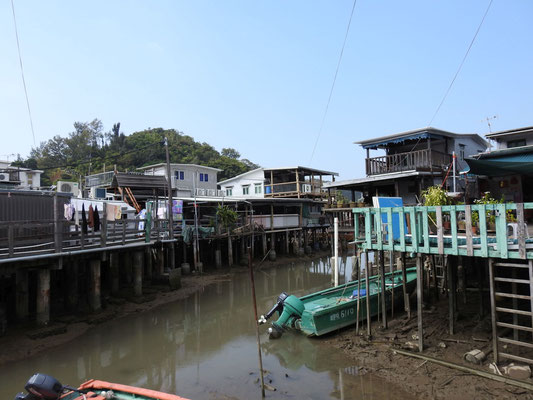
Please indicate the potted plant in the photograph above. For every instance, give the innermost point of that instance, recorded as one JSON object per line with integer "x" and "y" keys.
{"x": 435, "y": 196}
{"x": 341, "y": 200}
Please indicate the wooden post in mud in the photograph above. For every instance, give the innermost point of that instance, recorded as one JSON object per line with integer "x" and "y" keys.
{"x": 383, "y": 289}
{"x": 406, "y": 302}
{"x": 367, "y": 286}
{"x": 419, "y": 289}
{"x": 256, "y": 322}
{"x": 451, "y": 294}
{"x": 358, "y": 263}
{"x": 391, "y": 264}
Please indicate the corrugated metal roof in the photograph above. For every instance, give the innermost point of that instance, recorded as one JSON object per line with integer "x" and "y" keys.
{"x": 122, "y": 179}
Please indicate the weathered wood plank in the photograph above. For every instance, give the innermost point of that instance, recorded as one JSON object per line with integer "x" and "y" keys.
{"x": 468, "y": 231}
{"x": 440, "y": 230}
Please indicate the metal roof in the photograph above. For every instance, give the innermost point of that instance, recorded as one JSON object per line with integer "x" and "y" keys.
{"x": 123, "y": 179}
{"x": 376, "y": 178}
{"x": 494, "y": 135}
{"x": 312, "y": 170}
{"x": 179, "y": 165}
{"x": 417, "y": 134}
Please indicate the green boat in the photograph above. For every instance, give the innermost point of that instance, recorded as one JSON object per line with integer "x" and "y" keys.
{"x": 328, "y": 310}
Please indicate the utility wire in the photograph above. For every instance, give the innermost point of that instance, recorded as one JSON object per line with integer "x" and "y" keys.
{"x": 333, "y": 84}
{"x": 22, "y": 71}
{"x": 461, "y": 65}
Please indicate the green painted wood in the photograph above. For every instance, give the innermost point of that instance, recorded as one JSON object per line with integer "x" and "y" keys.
{"x": 414, "y": 237}
{"x": 390, "y": 236}
{"x": 425, "y": 230}
{"x": 401, "y": 215}
{"x": 501, "y": 230}
{"x": 368, "y": 229}
{"x": 379, "y": 232}
{"x": 482, "y": 227}
{"x": 453, "y": 222}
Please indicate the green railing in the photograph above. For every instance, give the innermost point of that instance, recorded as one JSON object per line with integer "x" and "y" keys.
{"x": 502, "y": 230}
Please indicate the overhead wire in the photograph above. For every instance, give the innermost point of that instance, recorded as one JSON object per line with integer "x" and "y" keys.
{"x": 460, "y": 65}
{"x": 22, "y": 71}
{"x": 333, "y": 83}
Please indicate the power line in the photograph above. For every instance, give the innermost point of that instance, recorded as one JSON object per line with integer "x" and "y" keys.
{"x": 461, "y": 65}
{"x": 22, "y": 71}
{"x": 333, "y": 84}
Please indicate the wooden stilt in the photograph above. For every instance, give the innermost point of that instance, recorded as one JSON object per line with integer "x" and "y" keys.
{"x": 419, "y": 284}
{"x": 493, "y": 312}
{"x": 359, "y": 262}
{"x": 406, "y": 302}
{"x": 515, "y": 303}
{"x": 391, "y": 264}
{"x": 383, "y": 288}
{"x": 367, "y": 286}
{"x": 481, "y": 281}
{"x": 451, "y": 294}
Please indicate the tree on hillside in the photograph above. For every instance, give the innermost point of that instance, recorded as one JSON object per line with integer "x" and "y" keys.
{"x": 88, "y": 148}
{"x": 231, "y": 153}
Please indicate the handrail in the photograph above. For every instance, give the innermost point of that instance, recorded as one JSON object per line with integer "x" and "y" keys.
{"x": 423, "y": 230}
{"x": 398, "y": 162}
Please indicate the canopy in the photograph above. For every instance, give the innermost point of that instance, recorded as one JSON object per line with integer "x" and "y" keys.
{"x": 499, "y": 166}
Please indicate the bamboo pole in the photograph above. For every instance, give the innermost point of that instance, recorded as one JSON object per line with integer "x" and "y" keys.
{"x": 488, "y": 375}
{"x": 256, "y": 323}
{"x": 419, "y": 290}
{"x": 336, "y": 251}
{"x": 383, "y": 289}
{"x": 358, "y": 266}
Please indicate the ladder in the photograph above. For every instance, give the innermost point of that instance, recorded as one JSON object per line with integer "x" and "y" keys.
{"x": 132, "y": 202}
{"x": 511, "y": 298}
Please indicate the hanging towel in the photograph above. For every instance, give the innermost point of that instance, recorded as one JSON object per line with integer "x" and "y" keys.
{"x": 83, "y": 219}
{"x": 72, "y": 212}
{"x": 110, "y": 212}
{"x": 76, "y": 216}
{"x": 96, "y": 219}
{"x": 91, "y": 216}
{"x": 118, "y": 212}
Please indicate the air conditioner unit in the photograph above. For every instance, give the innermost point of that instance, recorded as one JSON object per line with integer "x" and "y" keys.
{"x": 306, "y": 188}
{"x": 68, "y": 187}
{"x": 4, "y": 177}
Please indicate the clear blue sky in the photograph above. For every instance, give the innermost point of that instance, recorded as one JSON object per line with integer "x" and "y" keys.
{"x": 256, "y": 75}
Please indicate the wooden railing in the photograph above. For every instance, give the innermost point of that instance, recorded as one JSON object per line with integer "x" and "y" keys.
{"x": 291, "y": 188}
{"x": 414, "y": 160}
{"x": 423, "y": 230}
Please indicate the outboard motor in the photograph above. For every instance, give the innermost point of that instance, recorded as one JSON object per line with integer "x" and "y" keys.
{"x": 41, "y": 387}
{"x": 44, "y": 387}
{"x": 289, "y": 308}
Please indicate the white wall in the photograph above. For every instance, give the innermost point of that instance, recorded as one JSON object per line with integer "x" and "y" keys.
{"x": 251, "y": 178}
{"x": 471, "y": 147}
{"x": 190, "y": 172}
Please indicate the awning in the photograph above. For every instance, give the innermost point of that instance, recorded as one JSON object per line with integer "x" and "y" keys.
{"x": 512, "y": 164}
{"x": 401, "y": 139}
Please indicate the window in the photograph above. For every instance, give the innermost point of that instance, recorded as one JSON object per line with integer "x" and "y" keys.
{"x": 229, "y": 191}
{"x": 201, "y": 177}
{"x": 258, "y": 188}
{"x": 246, "y": 189}
{"x": 206, "y": 178}
{"x": 516, "y": 143}
{"x": 179, "y": 175}
{"x": 462, "y": 151}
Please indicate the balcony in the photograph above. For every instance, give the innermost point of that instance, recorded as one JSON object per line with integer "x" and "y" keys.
{"x": 424, "y": 160}
{"x": 294, "y": 189}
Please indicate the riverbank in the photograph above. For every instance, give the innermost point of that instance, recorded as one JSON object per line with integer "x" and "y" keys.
{"x": 424, "y": 378}
{"x": 22, "y": 341}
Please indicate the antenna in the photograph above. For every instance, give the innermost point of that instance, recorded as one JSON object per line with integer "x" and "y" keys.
{"x": 488, "y": 119}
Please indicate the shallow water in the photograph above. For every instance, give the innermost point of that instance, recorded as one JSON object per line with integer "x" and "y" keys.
{"x": 205, "y": 347}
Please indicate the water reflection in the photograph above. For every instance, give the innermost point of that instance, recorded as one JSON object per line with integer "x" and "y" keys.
{"x": 204, "y": 347}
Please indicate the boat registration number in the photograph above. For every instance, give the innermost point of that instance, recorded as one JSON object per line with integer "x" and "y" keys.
{"x": 341, "y": 314}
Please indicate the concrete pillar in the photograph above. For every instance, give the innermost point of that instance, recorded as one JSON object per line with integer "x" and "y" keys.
{"x": 230, "y": 252}
{"x": 148, "y": 269}
{"x": 22, "y": 295}
{"x": 264, "y": 243}
{"x": 95, "y": 302}
{"x": 72, "y": 293}
{"x": 272, "y": 254}
{"x": 43, "y": 297}
{"x": 114, "y": 272}
{"x": 218, "y": 256}
{"x": 287, "y": 243}
{"x": 138, "y": 258}
{"x": 160, "y": 261}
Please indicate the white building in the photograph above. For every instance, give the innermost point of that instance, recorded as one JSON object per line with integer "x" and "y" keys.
{"x": 188, "y": 179}
{"x": 19, "y": 178}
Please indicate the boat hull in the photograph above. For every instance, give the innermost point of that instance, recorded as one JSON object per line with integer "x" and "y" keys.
{"x": 332, "y": 309}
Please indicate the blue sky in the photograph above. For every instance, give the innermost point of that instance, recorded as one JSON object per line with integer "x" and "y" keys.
{"x": 256, "y": 75}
